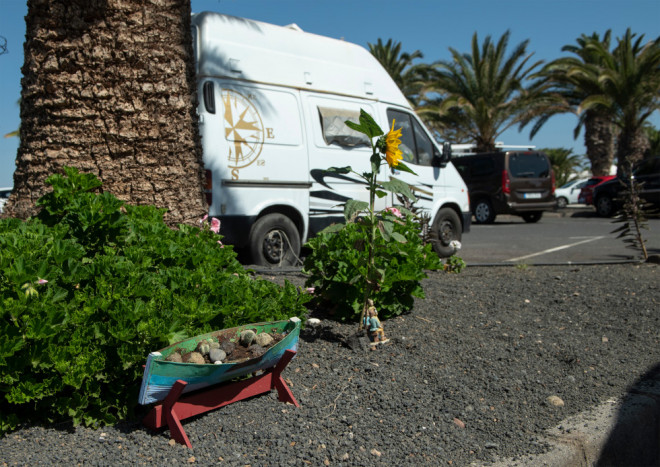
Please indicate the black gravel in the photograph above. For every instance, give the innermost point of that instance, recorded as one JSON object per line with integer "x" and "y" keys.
{"x": 464, "y": 379}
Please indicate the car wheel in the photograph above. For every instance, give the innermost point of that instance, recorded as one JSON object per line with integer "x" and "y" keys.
{"x": 446, "y": 228}
{"x": 483, "y": 212}
{"x": 531, "y": 217}
{"x": 274, "y": 241}
{"x": 604, "y": 206}
{"x": 562, "y": 202}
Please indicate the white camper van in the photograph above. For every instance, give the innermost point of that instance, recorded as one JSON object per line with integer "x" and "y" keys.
{"x": 272, "y": 106}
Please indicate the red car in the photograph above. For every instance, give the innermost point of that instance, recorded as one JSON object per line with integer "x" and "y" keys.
{"x": 587, "y": 191}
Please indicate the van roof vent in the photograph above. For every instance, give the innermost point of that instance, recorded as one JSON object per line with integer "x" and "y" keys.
{"x": 294, "y": 26}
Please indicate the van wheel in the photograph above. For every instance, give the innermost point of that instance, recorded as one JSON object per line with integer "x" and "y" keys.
{"x": 531, "y": 217}
{"x": 274, "y": 241}
{"x": 484, "y": 212}
{"x": 446, "y": 228}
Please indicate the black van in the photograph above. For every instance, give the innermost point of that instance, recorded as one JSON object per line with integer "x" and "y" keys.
{"x": 508, "y": 182}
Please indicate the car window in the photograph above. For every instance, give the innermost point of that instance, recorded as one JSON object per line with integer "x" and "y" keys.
{"x": 648, "y": 167}
{"x": 474, "y": 166}
{"x": 529, "y": 165}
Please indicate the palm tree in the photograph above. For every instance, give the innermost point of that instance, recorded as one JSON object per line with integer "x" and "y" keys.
{"x": 409, "y": 77}
{"x": 630, "y": 78}
{"x": 564, "y": 163}
{"x": 653, "y": 135}
{"x": 481, "y": 94}
{"x": 613, "y": 92}
{"x": 563, "y": 85}
{"x": 108, "y": 88}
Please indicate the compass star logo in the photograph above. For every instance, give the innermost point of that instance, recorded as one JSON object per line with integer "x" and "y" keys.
{"x": 243, "y": 128}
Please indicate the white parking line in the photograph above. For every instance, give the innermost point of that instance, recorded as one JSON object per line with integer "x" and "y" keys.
{"x": 551, "y": 250}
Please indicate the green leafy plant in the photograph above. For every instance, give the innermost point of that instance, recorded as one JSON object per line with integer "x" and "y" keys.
{"x": 454, "y": 264}
{"x": 91, "y": 285}
{"x": 377, "y": 254}
{"x": 337, "y": 267}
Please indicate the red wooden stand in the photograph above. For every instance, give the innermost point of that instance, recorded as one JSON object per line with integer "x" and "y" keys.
{"x": 174, "y": 408}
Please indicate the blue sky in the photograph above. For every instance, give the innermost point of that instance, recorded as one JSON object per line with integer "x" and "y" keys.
{"x": 431, "y": 26}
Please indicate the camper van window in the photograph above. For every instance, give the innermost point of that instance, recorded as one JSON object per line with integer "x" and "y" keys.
{"x": 407, "y": 145}
{"x": 335, "y": 130}
{"x": 416, "y": 146}
{"x": 209, "y": 97}
{"x": 424, "y": 146}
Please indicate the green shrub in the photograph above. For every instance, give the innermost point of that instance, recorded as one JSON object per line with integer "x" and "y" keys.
{"x": 336, "y": 267}
{"x": 92, "y": 285}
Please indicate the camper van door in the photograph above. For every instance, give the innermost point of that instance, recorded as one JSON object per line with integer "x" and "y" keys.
{"x": 334, "y": 144}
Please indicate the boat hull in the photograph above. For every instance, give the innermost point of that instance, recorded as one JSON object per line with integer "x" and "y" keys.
{"x": 160, "y": 374}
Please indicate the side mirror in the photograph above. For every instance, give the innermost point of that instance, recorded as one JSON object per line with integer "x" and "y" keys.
{"x": 441, "y": 160}
{"x": 446, "y": 152}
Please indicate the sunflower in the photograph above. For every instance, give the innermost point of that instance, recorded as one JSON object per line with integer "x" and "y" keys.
{"x": 392, "y": 151}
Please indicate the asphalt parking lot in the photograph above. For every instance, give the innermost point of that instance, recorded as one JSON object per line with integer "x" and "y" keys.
{"x": 568, "y": 236}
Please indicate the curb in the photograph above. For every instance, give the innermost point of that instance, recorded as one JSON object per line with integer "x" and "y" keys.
{"x": 623, "y": 431}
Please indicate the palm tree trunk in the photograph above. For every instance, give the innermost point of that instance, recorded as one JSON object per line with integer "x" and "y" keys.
{"x": 599, "y": 140}
{"x": 109, "y": 88}
{"x": 631, "y": 147}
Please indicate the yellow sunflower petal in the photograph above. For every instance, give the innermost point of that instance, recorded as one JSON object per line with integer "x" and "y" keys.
{"x": 392, "y": 141}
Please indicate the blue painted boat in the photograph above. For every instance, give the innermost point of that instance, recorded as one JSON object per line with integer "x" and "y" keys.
{"x": 161, "y": 374}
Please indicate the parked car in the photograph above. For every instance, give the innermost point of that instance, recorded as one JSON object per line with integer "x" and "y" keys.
{"x": 569, "y": 192}
{"x": 586, "y": 193}
{"x": 4, "y": 196}
{"x": 607, "y": 195}
{"x": 508, "y": 182}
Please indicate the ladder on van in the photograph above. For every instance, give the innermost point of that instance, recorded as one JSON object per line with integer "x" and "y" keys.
{"x": 469, "y": 149}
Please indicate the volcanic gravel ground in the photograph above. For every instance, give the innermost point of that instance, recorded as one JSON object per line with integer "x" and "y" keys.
{"x": 464, "y": 380}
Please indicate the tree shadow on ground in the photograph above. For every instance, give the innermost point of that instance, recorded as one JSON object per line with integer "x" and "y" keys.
{"x": 634, "y": 439}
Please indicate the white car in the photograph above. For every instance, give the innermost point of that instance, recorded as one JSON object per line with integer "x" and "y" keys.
{"x": 4, "y": 196}
{"x": 569, "y": 192}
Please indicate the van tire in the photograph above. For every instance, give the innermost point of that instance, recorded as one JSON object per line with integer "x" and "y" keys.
{"x": 274, "y": 241}
{"x": 532, "y": 217}
{"x": 483, "y": 211}
{"x": 446, "y": 227}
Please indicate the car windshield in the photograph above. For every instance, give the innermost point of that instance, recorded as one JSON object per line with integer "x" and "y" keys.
{"x": 529, "y": 165}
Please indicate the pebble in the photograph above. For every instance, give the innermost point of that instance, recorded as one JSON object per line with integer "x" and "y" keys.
{"x": 247, "y": 337}
{"x": 217, "y": 355}
{"x": 174, "y": 357}
{"x": 556, "y": 401}
{"x": 193, "y": 357}
{"x": 264, "y": 339}
{"x": 228, "y": 347}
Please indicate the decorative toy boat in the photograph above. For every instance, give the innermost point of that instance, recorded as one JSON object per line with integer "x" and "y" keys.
{"x": 160, "y": 374}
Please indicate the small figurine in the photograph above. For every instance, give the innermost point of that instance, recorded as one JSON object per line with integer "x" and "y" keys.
{"x": 375, "y": 328}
